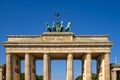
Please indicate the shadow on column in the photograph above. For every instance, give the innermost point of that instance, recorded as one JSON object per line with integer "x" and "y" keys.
{"x": 118, "y": 75}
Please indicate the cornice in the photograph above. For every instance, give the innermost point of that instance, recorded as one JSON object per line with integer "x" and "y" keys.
{"x": 98, "y": 44}
{"x": 89, "y": 35}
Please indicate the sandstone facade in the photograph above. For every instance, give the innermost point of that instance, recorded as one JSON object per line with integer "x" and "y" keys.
{"x": 57, "y": 45}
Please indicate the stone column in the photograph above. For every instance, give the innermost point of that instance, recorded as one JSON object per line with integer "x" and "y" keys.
{"x": 1, "y": 73}
{"x": 70, "y": 67}
{"x": 87, "y": 67}
{"x": 118, "y": 72}
{"x": 83, "y": 72}
{"x": 100, "y": 67}
{"x": 114, "y": 76}
{"x": 98, "y": 64}
{"x": 9, "y": 67}
{"x": 107, "y": 66}
{"x": 33, "y": 68}
{"x": 47, "y": 68}
{"x": 27, "y": 67}
{"x": 16, "y": 67}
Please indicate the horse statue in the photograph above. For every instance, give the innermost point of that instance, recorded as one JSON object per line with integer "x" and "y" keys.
{"x": 57, "y": 26}
{"x": 53, "y": 27}
{"x": 61, "y": 27}
{"x": 68, "y": 27}
{"x": 48, "y": 27}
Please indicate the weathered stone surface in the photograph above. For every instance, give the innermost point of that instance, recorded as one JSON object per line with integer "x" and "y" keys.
{"x": 57, "y": 37}
{"x": 33, "y": 68}
{"x": 70, "y": 71}
{"x": 114, "y": 68}
{"x": 9, "y": 67}
{"x": 57, "y": 45}
{"x": 87, "y": 67}
{"x": 16, "y": 67}
{"x": 58, "y": 49}
{"x": 47, "y": 69}
{"x": 28, "y": 67}
{"x": 2, "y": 70}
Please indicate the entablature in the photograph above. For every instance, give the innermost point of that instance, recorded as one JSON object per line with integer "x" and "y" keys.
{"x": 57, "y": 49}
{"x": 58, "y": 42}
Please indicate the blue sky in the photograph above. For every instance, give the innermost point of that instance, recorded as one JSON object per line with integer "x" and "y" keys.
{"x": 86, "y": 17}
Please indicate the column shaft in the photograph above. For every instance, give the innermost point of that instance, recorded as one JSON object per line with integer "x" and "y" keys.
{"x": 47, "y": 69}
{"x": 33, "y": 68}
{"x": 87, "y": 67}
{"x": 100, "y": 68}
{"x": 1, "y": 74}
{"x": 114, "y": 75}
{"x": 70, "y": 67}
{"x": 83, "y": 70}
{"x": 107, "y": 66}
{"x": 9, "y": 67}
{"x": 27, "y": 67}
{"x": 16, "y": 67}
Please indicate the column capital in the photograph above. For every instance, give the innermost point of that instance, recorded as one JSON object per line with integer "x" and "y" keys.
{"x": 84, "y": 55}
{"x": 89, "y": 54}
{"x": 46, "y": 54}
{"x": 27, "y": 53}
{"x": 9, "y": 53}
{"x": 70, "y": 54}
{"x": 106, "y": 52}
{"x": 1, "y": 70}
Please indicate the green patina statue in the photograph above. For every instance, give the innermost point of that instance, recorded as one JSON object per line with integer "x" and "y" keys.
{"x": 58, "y": 26}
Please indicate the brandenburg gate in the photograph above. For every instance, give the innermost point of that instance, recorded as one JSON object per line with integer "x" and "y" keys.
{"x": 57, "y": 45}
